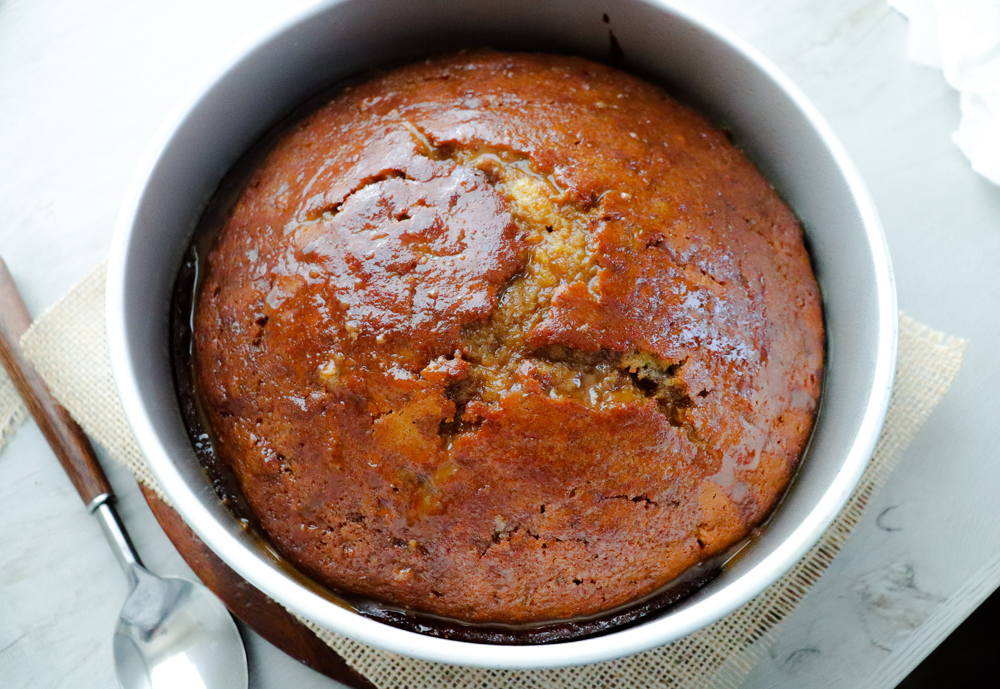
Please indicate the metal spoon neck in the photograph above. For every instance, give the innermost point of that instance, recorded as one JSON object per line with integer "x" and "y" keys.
{"x": 117, "y": 537}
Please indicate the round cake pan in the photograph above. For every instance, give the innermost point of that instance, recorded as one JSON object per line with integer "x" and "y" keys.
{"x": 694, "y": 59}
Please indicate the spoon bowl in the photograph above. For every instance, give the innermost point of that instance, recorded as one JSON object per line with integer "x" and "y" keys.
{"x": 175, "y": 633}
{"x": 172, "y": 632}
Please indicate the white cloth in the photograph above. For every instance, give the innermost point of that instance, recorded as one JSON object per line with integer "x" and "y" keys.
{"x": 962, "y": 37}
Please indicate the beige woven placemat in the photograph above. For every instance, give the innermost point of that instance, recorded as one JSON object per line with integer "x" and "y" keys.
{"x": 12, "y": 411}
{"x": 69, "y": 347}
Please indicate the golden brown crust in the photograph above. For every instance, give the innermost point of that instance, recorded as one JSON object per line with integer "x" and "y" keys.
{"x": 508, "y": 338}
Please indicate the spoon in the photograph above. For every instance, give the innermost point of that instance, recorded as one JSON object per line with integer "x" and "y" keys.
{"x": 172, "y": 633}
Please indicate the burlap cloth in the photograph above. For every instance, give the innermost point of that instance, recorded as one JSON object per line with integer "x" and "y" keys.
{"x": 69, "y": 347}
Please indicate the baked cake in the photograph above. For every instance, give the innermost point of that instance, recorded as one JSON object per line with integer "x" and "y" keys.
{"x": 508, "y": 338}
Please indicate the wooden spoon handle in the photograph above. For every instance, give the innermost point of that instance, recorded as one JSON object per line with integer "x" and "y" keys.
{"x": 64, "y": 435}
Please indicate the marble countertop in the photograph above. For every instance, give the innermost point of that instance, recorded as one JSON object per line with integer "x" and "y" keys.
{"x": 84, "y": 85}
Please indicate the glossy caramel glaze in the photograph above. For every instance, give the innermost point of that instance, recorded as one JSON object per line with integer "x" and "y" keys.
{"x": 508, "y": 338}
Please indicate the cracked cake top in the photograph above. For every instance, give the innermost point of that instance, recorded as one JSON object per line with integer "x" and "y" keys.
{"x": 508, "y": 338}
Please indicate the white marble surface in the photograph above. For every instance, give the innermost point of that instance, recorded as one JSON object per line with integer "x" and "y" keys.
{"x": 83, "y": 86}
